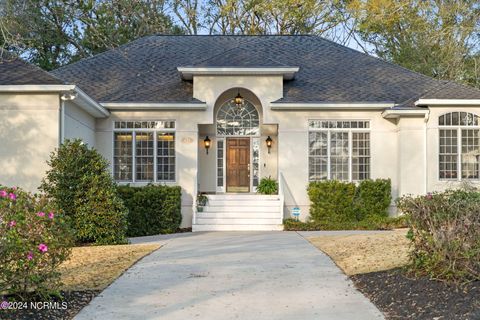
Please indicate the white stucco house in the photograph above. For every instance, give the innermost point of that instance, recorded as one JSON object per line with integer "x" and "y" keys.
{"x": 330, "y": 112}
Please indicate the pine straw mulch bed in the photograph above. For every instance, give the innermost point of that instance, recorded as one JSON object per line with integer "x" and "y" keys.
{"x": 375, "y": 264}
{"x": 89, "y": 270}
{"x": 400, "y": 297}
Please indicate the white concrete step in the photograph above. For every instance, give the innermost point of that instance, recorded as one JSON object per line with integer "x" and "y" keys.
{"x": 237, "y": 220}
{"x": 239, "y": 214}
{"x": 241, "y": 196}
{"x": 245, "y": 209}
{"x": 258, "y": 203}
{"x": 236, "y": 227}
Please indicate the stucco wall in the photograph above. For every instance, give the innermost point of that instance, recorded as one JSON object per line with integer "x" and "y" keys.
{"x": 79, "y": 124}
{"x": 186, "y": 148}
{"x": 293, "y": 150}
{"x": 29, "y": 131}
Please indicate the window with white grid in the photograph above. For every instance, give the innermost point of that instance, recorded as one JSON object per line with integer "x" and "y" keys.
{"x": 339, "y": 150}
{"x": 166, "y": 156}
{"x": 459, "y": 146}
{"x": 144, "y": 157}
{"x": 123, "y": 156}
{"x": 360, "y": 155}
{"x": 144, "y": 151}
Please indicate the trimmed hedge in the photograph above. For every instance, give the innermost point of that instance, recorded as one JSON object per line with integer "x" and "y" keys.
{"x": 342, "y": 205}
{"x": 373, "y": 223}
{"x": 152, "y": 209}
{"x": 332, "y": 200}
{"x": 373, "y": 197}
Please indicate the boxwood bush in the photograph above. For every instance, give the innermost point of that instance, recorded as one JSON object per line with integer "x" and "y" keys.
{"x": 332, "y": 200}
{"x": 152, "y": 209}
{"x": 343, "y": 205}
{"x": 373, "y": 197}
{"x": 445, "y": 234}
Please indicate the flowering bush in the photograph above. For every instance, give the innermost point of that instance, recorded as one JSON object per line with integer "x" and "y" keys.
{"x": 34, "y": 240}
{"x": 445, "y": 234}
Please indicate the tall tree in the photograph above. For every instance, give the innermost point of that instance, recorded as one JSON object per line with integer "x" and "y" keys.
{"x": 257, "y": 16}
{"x": 439, "y": 38}
{"x": 51, "y": 33}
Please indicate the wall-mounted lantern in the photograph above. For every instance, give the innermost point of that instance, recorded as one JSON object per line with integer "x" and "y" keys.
{"x": 269, "y": 143}
{"x": 206, "y": 143}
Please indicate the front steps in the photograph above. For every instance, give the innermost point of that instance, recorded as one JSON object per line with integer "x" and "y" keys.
{"x": 240, "y": 212}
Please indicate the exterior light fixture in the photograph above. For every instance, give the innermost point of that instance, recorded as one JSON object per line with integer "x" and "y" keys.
{"x": 238, "y": 100}
{"x": 269, "y": 143}
{"x": 206, "y": 143}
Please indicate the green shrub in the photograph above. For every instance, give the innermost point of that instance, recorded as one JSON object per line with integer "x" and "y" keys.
{"x": 370, "y": 223}
{"x": 332, "y": 201}
{"x": 445, "y": 234}
{"x": 80, "y": 184}
{"x": 267, "y": 186}
{"x": 152, "y": 209}
{"x": 373, "y": 197}
{"x": 34, "y": 241}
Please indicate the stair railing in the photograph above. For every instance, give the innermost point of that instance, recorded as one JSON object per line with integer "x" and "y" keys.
{"x": 281, "y": 195}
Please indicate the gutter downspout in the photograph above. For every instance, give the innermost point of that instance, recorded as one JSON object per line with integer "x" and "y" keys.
{"x": 66, "y": 96}
{"x": 425, "y": 149}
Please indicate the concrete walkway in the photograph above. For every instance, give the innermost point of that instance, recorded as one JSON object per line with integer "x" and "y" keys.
{"x": 232, "y": 275}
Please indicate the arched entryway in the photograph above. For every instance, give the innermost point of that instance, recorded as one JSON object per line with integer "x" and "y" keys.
{"x": 237, "y": 130}
{"x": 238, "y": 156}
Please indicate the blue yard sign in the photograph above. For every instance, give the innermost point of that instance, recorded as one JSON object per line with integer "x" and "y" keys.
{"x": 296, "y": 212}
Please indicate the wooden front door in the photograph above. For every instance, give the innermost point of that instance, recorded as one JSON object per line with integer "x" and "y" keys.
{"x": 238, "y": 164}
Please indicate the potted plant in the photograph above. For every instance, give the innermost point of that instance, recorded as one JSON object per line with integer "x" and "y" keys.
{"x": 201, "y": 201}
{"x": 267, "y": 186}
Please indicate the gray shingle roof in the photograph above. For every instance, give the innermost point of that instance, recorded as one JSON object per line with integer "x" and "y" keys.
{"x": 145, "y": 70}
{"x": 14, "y": 71}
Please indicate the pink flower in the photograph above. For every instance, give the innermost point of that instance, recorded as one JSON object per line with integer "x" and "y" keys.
{"x": 42, "y": 247}
{"x": 12, "y": 196}
{"x": 51, "y": 215}
{"x": 3, "y": 193}
{"x": 429, "y": 196}
{"x": 30, "y": 255}
{"x": 12, "y": 224}
{"x": 41, "y": 214}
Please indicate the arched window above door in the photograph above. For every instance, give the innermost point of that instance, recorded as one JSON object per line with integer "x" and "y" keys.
{"x": 238, "y": 120}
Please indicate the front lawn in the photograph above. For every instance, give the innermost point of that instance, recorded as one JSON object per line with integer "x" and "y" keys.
{"x": 374, "y": 263}
{"x": 362, "y": 253}
{"x": 95, "y": 267}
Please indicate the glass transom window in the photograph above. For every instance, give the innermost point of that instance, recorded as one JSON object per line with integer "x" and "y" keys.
{"x": 234, "y": 120}
{"x": 338, "y": 150}
{"x": 459, "y": 142}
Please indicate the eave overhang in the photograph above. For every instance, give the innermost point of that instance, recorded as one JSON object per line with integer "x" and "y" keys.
{"x": 331, "y": 105}
{"x": 168, "y": 106}
{"x": 187, "y": 73}
{"x": 398, "y": 113}
{"x": 447, "y": 102}
{"x": 73, "y": 92}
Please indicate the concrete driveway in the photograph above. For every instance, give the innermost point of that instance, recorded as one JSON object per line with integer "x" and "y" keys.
{"x": 232, "y": 275}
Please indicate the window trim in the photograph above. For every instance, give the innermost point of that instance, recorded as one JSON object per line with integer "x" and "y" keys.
{"x": 350, "y": 146}
{"x": 458, "y": 129}
{"x": 155, "y": 151}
